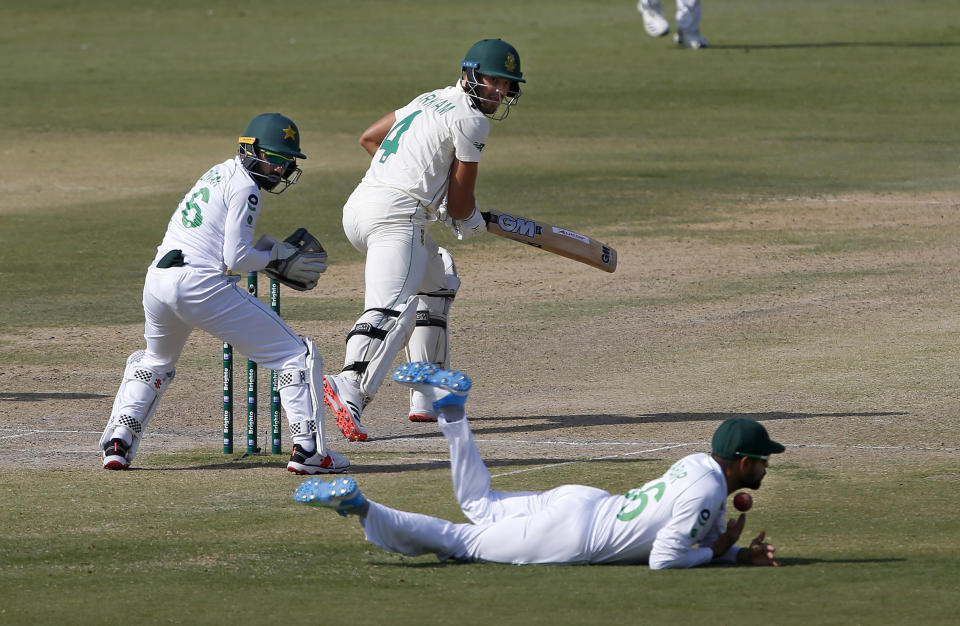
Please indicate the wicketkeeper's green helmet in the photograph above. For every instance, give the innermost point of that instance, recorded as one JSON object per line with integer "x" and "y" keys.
{"x": 276, "y": 133}
{"x": 271, "y": 139}
{"x": 493, "y": 57}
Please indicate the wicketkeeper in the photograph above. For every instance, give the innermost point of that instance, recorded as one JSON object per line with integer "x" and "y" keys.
{"x": 425, "y": 159}
{"x": 673, "y": 521}
{"x": 187, "y": 287}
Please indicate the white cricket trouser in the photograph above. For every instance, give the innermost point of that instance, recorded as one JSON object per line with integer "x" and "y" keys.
{"x": 688, "y": 15}
{"x": 508, "y": 527}
{"x": 402, "y": 259}
{"x": 178, "y": 299}
{"x": 390, "y": 228}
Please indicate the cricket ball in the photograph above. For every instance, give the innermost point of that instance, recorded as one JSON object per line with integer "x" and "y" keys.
{"x": 742, "y": 501}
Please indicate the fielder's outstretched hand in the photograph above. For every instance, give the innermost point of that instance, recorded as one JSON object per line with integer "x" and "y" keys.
{"x": 758, "y": 552}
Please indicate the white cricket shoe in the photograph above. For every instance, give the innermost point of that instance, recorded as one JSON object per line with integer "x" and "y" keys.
{"x": 114, "y": 455}
{"x": 691, "y": 39}
{"x": 343, "y": 397}
{"x": 422, "y": 416}
{"x": 442, "y": 387}
{"x": 653, "y": 19}
{"x": 302, "y": 462}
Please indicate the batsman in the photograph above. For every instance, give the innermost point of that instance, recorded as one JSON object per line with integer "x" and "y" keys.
{"x": 187, "y": 286}
{"x": 424, "y": 162}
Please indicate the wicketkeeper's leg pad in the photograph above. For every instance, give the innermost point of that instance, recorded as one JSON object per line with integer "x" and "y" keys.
{"x": 136, "y": 402}
{"x": 301, "y": 394}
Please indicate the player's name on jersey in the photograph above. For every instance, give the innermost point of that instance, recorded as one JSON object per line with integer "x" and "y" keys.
{"x": 433, "y": 101}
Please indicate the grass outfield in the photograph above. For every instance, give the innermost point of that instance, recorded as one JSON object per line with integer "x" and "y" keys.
{"x": 125, "y": 107}
{"x": 225, "y": 544}
{"x": 785, "y": 208}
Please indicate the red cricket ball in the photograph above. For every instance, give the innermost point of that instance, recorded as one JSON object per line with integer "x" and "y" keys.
{"x": 742, "y": 501}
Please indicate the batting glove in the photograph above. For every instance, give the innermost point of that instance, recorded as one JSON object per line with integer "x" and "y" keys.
{"x": 469, "y": 227}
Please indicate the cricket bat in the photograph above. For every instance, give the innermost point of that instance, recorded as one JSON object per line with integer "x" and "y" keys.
{"x": 552, "y": 239}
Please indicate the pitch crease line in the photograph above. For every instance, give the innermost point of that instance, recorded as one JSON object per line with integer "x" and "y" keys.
{"x": 23, "y": 434}
{"x": 33, "y": 431}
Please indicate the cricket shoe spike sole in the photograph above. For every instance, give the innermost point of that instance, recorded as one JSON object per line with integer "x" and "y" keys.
{"x": 340, "y": 494}
{"x": 304, "y": 463}
{"x": 445, "y": 387}
{"x": 115, "y": 455}
{"x": 346, "y": 408}
{"x": 422, "y": 417}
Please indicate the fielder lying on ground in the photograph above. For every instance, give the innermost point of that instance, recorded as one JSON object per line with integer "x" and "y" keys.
{"x": 674, "y": 521}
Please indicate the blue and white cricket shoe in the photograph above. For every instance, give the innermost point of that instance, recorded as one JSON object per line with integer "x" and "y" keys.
{"x": 341, "y": 494}
{"x": 444, "y": 387}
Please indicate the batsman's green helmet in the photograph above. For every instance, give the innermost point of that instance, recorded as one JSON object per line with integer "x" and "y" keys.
{"x": 494, "y": 57}
{"x": 276, "y": 133}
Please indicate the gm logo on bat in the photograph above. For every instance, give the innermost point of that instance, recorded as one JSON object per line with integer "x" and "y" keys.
{"x": 518, "y": 225}
{"x": 605, "y": 254}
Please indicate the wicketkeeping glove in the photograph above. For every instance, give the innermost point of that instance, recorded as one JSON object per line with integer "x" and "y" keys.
{"x": 297, "y": 261}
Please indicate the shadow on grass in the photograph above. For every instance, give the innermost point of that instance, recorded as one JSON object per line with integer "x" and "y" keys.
{"x": 550, "y": 422}
{"x": 835, "y": 44}
{"x": 244, "y": 464}
{"x": 783, "y": 563}
{"x": 556, "y": 422}
{"x": 424, "y": 564}
{"x": 234, "y": 464}
{"x": 811, "y": 561}
{"x": 24, "y": 396}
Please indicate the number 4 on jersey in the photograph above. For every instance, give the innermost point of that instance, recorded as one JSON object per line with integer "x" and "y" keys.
{"x": 391, "y": 142}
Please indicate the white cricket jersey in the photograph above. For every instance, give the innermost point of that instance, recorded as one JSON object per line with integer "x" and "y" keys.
{"x": 416, "y": 155}
{"x": 660, "y": 522}
{"x": 214, "y": 223}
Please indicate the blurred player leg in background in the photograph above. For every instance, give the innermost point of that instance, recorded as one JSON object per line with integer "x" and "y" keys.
{"x": 688, "y": 22}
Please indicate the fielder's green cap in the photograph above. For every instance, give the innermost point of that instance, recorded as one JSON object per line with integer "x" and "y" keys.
{"x": 738, "y": 437}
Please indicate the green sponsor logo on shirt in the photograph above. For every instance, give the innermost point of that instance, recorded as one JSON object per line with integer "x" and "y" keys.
{"x": 702, "y": 520}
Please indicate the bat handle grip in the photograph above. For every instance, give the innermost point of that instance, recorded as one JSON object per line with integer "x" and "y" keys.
{"x": 486, "y": 216}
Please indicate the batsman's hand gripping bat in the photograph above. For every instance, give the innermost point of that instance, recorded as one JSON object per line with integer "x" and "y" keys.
{"x": 552, "y": 239}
